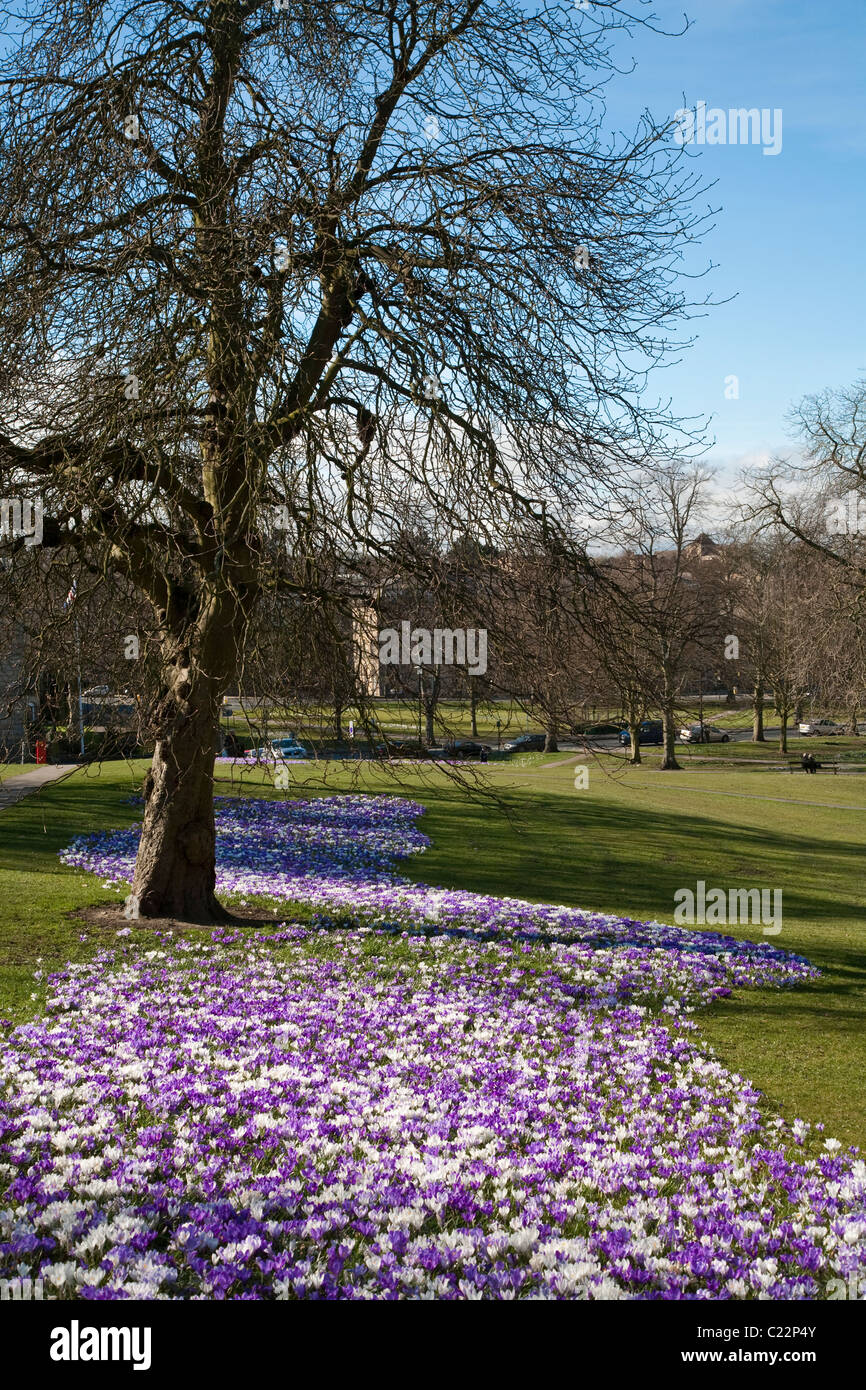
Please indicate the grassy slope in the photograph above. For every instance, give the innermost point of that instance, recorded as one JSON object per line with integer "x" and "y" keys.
{"x": 14, "y": 769}
{"x": 623, "y": 845}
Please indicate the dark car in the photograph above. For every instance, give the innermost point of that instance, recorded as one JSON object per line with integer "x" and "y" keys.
{"x": 525, "y": 743}
{"x": 402, "y": 749}
{"x": 650, "y": 731}
{"x": 464, "y": 748}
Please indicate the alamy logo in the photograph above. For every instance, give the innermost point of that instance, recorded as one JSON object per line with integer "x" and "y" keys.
{"x": 853, "y": 1287}
{"x": 21, "y": 518}
{"x": 75, "y": 1343}
{"x": 22, "y": 1290}
{"x": 738, "y": 906}
{"x": 443, "y": 646}
{"x": 738, "y": 126}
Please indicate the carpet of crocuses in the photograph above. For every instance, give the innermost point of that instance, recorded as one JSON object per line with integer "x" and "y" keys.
{"x": 417, "y": 1094}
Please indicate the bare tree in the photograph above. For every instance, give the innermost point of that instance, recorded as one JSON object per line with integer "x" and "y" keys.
{"x": 782, "y": 624}
{"x": 657, "y": 591}
{"x": 268, "y": 268}
{"x": 618, "y": 641}
{"x": 750, "y": 564}
{"x": 817, "y": 496}
{"x": 826, "y": 508}
{"x": 538, "y": 637}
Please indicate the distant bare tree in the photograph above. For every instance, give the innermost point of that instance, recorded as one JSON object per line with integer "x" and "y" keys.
{"x": 539, "y": 640}
{"x": 664, "y": 604}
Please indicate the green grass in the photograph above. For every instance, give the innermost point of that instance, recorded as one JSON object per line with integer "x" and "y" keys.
{"x": 623, "y": 845}
{"x": 396, "y": 718}
{"x": 14, "y": 769}
{"x": 828, "y": 751}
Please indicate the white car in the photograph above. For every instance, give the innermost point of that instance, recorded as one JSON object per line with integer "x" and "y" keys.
{"x": 821, "y": 728}
{"x": 279, "y": 751}
{"x": 703, "y": 733}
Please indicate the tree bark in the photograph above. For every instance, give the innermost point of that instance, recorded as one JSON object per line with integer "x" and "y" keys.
{"x": 431, "y": 700}
{"x": 783, "y": 731}
{"x": 551, "y": 744}
{"x": 634, "y": 747}
{"x": 758, "y": 714}
{"x": 174, "y": 871}
{"x": 669, "y": 734}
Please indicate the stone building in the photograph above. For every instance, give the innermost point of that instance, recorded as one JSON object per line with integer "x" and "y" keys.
{"x": 365, "y": 644}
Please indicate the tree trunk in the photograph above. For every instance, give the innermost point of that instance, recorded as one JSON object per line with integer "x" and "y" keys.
{"x": 338, "y": 720}
{"x": 431, "y": 700}
{"x": 634, "y": 746}
{"x": 669, "y": 734}
{"x": 758, "y": 714}
{"x": 551, "y": 744}
{"x": 473, "y": 707}
{"x": 174, "y": 871}
{"x": 852, "y": 723}
{"x": 783, "y": 731}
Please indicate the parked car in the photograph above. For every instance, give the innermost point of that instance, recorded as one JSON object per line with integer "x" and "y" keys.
{"x": 703, "y": 733}
{"x": 280, "y": 749}
{"x": 404, "y": 748}
{"x": 463, "y": 748}
{"x": 821, "y": 728}
{"x": 525, "y": 743}
{"x": 650, "y": 731}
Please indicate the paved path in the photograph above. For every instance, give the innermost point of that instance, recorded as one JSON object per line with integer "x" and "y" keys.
{"x": 14, "y": 789}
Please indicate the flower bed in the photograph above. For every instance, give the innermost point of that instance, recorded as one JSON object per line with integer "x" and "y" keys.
{"x": 492, "y": 1102}
{"x": 336, "y": 853}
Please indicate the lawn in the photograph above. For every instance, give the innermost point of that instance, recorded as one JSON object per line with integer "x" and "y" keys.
{"x": 623, "y": 845}
{"x": 14, "y": 769}
{"x": 839, "y": 751}
{"x": 398, "y": 719}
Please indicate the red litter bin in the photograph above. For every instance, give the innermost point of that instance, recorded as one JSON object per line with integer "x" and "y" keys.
{"x": 41, "y": 751}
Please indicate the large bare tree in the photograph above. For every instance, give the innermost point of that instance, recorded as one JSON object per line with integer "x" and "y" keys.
{"x": 266, "y": 267}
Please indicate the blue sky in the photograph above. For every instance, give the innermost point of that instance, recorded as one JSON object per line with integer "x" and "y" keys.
{"x": 790, "y": 236}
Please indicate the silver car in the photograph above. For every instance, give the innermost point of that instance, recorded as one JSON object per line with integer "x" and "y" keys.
{"x": 703, "y": 733}
{"x": 821, "y": 728}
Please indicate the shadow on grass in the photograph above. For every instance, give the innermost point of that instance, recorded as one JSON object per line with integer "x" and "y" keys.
{"x": 593, "y": 853}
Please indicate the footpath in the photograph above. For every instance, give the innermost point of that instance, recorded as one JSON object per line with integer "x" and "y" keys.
{"x": 14, "y": 789}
